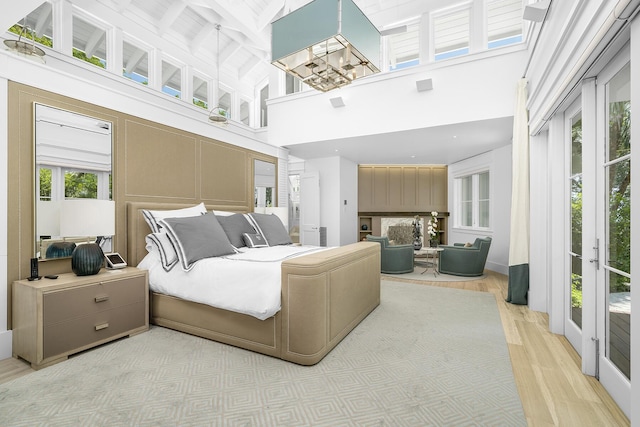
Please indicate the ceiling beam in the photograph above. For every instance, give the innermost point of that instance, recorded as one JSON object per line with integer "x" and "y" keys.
{"x": 94, "y": 40}
{"x": 202, "y": 36}
{"x": 170, "y": 16}
{"x": 134, "y": 60}
{"x": 44, "y": 20}
{"x": 14, "y": 11}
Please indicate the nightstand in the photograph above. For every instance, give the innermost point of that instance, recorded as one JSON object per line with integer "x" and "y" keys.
{"x": 54, "y": 318}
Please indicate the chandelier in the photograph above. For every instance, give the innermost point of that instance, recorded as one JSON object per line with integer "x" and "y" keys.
{"x": 326, "y": 43}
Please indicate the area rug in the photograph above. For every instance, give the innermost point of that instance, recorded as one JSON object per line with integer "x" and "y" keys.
{"x": 426, "y": 356}
{"x": 419, "y": 273}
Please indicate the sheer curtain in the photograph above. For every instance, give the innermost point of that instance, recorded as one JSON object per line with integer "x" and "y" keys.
{"x": 519, "y": 240}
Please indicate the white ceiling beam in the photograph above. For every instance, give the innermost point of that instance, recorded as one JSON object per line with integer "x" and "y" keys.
{"x": 238, "y": 17}
{"x": 14, "y": 11}
{"x": 273, "y": 10}
{"x": 202, "y": 36}
{"x": 122, "y": 5}
{"x": 43, "y": 21}
{"x": 166, "y": 79}
{"x": 247, "y": 67}
{"x": 92, "y": 43}
{"x": 134, "y": 60}
{"x": 170, "y": 16}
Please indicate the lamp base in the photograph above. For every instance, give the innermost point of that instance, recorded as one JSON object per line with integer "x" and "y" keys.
{"x": 87, "y": 259}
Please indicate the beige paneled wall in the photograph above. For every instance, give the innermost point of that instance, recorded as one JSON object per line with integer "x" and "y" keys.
{"x": 151, "y": 162}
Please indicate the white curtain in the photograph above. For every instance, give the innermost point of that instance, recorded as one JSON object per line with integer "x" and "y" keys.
{"x": 519, "y": 241}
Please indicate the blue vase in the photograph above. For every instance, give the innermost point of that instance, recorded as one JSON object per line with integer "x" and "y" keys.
{"x": 87, "y": 259}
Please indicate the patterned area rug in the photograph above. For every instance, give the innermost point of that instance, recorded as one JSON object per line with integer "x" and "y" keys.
{"x": 426, "y": 356}
{"x": 428, "y": 275}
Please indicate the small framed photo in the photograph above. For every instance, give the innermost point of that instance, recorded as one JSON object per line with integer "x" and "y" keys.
{"x": 115, "y": 260}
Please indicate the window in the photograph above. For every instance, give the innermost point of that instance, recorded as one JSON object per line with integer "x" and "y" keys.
{"x": 200, "y": 87}
{"x": 404, "y": 48}
{"x": 504, "y": 22}
{"x": 292, "y": 84}
{"x": 171, "y": 79}
{"x": 135, "y": 63}
{"x": 264, "y": 95}
{"x": 451, "y": 33}
{"x": 89, "y": 42}
{"x": 224, "y": 101}
{"x": 245, "y": 111}
{"x": 473, "y": 200}
{"x": 39, "y": 24}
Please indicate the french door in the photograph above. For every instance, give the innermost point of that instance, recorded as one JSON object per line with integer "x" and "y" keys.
{"x": 613, "y": 228}
{"x": 598, "y": 189}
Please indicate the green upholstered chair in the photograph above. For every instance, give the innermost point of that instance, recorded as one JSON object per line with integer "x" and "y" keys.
{"x": 461, "y": 260}
{"x": 394, "y": 259}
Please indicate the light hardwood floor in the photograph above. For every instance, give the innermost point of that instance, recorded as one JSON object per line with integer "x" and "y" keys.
{"x": 546, "y": 368}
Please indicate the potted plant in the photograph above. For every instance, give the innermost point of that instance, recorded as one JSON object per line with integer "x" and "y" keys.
{"x": 432, "y": 230}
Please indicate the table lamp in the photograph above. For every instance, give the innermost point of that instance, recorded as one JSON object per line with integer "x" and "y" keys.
{"x": 87, "y": 218}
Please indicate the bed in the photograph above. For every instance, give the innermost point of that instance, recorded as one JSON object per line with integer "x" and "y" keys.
{"x": 324, "y": 295}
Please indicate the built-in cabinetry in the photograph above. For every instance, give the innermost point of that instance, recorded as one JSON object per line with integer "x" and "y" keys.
{"x": 53, "y": 318}
{"x": 391, "y": 188}
{"x": 401, "y": 191}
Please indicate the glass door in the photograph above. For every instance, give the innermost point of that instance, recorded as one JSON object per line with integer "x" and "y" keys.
{"x": 613, "y": 277}
{"x": 573, "y": 288}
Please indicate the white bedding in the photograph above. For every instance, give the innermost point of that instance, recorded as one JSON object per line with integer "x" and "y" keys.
{"x": 247, "y": 282}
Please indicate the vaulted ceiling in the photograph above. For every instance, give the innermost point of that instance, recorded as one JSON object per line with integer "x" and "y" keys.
{"x": 188, "y": 27}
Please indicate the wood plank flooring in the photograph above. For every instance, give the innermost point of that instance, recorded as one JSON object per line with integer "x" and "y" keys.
{"x": 546, "y": 368}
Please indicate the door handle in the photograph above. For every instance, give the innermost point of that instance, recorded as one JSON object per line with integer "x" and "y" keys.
{"x": 596, "y": 260}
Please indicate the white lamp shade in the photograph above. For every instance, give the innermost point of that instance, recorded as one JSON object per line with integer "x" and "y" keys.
{"x": 48, "y": 215}
{"x": 280, "y": 212}
{"x": 87, "y": 217}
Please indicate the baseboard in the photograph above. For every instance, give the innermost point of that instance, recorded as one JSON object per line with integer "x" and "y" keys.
{"x": 498, "y": 268}
{"x": 6, "y": 344}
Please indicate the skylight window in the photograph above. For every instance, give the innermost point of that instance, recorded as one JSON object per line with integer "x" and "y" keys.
{"x": 451, "y": 33}
{"x": 135, "y": 63}
{"x": 171, "y": 79}
{"x": 200, "y": 92}
{"x": 89, "y": 42}
{"x": 504, "y": 22}
{"x": 404, "y": 48}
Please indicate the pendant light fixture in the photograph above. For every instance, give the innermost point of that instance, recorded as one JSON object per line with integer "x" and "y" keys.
{"x": 218, "y": 115}
{"x": 25, "y": 48}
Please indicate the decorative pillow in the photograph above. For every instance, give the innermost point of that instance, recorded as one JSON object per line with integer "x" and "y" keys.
{"x": 153, "y": 217}
{"x": 254, "y": 240}
{"x": 162, "y": 244}
{"x": 223, "y": 213}
{"x": 468, "y": 245}
{"x": 196, "y": 238}
{"x": 271, "y": 228}
{"x": 235, "y": 226}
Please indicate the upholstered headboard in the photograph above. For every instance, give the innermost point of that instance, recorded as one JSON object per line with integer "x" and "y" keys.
{"x": 137, "y": 227}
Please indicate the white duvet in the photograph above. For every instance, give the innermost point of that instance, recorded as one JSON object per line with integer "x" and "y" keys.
{"x": 247, "y": 282}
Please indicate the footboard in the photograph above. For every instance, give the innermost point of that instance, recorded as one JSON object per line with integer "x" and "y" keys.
{"x": 324, "y": 296}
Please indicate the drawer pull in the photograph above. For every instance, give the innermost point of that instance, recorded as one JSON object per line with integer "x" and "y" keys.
{"x": 102, "y": 326}
{"x": 101, "y": 298}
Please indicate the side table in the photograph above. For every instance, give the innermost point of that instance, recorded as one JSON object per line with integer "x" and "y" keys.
{"x": 423, "y": 255}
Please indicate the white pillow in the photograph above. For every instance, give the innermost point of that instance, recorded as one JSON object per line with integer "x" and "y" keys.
{"x": 161, "y": 243}
{"x": 224, "y": 213}
{"x": 153, "y": 216}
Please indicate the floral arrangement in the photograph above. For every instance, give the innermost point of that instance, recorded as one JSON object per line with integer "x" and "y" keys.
{"x": 432, "y": 226}
{"x": 417, "y": 233}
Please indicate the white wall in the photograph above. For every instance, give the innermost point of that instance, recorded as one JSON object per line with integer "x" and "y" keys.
{"x": 348, "y": 193}
{"x": 499, "y": 164}
{"x": 5, "y": 335}
{"x": 389, "y": 102}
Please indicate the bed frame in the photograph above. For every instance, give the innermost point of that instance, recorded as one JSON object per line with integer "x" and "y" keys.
{"x": 324, "y": 296}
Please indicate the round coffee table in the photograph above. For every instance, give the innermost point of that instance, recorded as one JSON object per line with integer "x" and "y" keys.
{"x": 429, "y": 257}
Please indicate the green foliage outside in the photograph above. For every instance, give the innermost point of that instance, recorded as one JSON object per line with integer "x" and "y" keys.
{"x": 200, "y": 103}
{"x": 80, "y": 185}
{"x": 93, "y": 60}
{"x": 576, "y": 290}
{"x": 44, "y": 40}
{"x": 45, "y": 184}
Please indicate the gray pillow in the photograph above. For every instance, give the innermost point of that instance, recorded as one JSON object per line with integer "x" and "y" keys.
{"x": 271, "y": 228}
{"x": 235, "y": 226}
{"x": 196, "y": 238}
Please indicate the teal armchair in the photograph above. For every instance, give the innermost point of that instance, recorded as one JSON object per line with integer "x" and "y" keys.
{"x": 460, "y": 260}
{"x": 394, "y": 259}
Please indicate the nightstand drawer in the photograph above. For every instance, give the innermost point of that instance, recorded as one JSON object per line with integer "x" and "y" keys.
{"x": 77, "y": 333}
{"x": 81, "y": 301}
